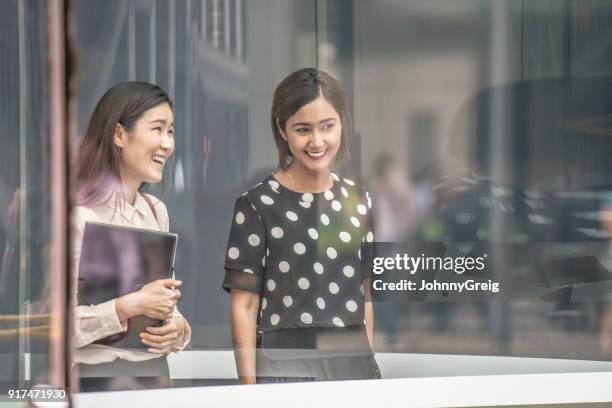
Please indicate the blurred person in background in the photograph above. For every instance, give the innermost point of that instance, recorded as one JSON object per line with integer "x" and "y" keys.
{"x": 395, "y": 220}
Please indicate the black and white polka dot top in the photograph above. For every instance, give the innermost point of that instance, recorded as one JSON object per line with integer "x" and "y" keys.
{"x": 301, "y": 252}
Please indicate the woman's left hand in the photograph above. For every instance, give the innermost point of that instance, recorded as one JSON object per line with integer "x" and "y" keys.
{"x": 166, "y": 338}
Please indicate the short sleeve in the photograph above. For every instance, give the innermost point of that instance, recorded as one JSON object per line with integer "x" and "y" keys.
{"x": 246, "y": 249}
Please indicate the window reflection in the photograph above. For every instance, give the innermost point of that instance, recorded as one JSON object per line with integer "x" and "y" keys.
{"x": 474, "y": 121}
{"x": 500, "y": 127}
{"x": 24, "y": 197}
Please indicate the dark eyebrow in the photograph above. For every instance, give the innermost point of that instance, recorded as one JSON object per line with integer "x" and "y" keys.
{"x": 162, "y": 121}
{"x": 308, "y": 124}
{"x": 300, "y": 124}
{"x": 327, "y": 120}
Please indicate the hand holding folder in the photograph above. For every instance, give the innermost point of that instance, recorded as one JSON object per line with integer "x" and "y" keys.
{"x": 156, "y": 300}
{"x": 134, "y": 266}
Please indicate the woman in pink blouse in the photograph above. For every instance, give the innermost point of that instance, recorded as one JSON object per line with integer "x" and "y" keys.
{"x": 128, "y": 141}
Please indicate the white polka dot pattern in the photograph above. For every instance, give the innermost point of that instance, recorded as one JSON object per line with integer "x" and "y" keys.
{"x": 348, "y": 271}
{"x": 334, "y": 288}
{"x": 271, "y": 285}
{"x": 313, "y": 233}
{"x": 318, "y": 268}
{"x": 284, "y": 266}
{"x": 332, "y": 253}
{"x": 309, "y": 247}
{"x": 299, "y": 248}
{"x": 321, "y": 303}
{"x": 304, "y": 283}
{"x": 274, "y": 184}
{"x": 361, "y": 209}
{"x": 254, "y": 239}
{"x": 267, "y": 200}
{"x": 277, "y": 232}
{"x": 233, "y": 253}
{"x": 306, "y": 318}
{"x": 239, "y": 218}
{"x": 345, "y": 236}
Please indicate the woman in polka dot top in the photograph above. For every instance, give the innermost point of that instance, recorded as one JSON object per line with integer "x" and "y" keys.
{"x": 293, "y": 263}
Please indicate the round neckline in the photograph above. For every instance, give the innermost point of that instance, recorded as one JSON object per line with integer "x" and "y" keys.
{"x": 272, "y": 178}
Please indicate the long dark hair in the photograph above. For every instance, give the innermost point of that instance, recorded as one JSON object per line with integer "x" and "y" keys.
{"x": 98, "y": 159}
{"x": 301, "y": 88}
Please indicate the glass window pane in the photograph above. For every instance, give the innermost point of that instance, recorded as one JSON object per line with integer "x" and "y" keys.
{"x": 29, "y": 336}
{"x": 484, "y": 122}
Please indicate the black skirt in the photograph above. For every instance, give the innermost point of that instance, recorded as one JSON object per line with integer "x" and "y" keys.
{"x": 315, "y": 354}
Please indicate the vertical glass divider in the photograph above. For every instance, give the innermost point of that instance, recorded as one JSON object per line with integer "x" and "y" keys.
{"x": 23, "y": 192}
{"x": 58, "y": 266}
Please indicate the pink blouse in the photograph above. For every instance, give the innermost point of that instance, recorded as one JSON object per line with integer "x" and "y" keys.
{"x": 99, "y": 321}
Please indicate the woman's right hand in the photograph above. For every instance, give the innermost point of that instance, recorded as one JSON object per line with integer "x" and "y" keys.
{"x": 156, "y": 300}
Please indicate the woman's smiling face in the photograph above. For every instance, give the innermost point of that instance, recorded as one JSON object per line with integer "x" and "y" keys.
{"x": 314, "y": 134}
{"x": 146, "y": 148}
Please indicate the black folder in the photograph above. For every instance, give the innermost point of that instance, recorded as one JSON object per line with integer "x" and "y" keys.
{"x": 116, "y": 260}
